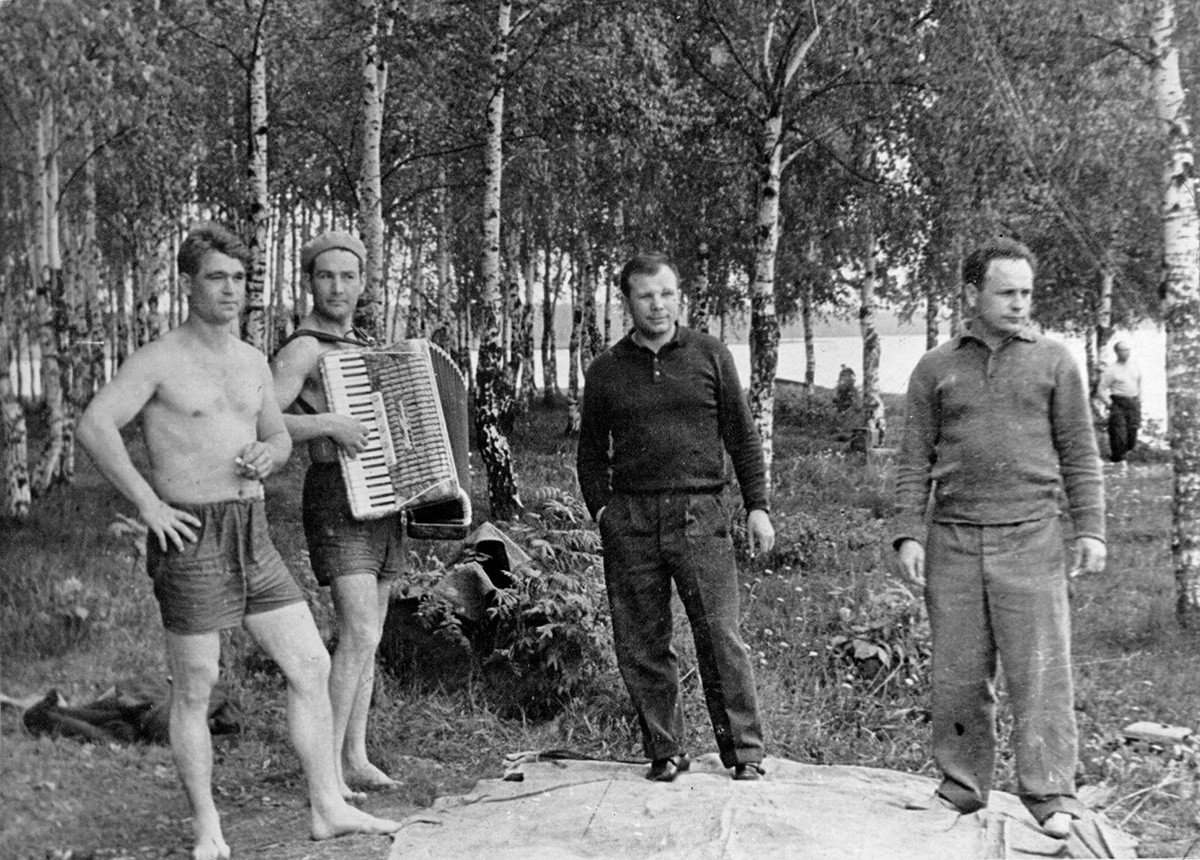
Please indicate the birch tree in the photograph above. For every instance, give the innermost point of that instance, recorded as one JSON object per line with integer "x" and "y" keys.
{"x": 772, "y": 74}
{"x": 379, "y": 17}
{"x": 490, "y": 389}
{"x": 49, "y": 468}
{"x": 254, "y": 327}
{"x": 1181, "y": 291}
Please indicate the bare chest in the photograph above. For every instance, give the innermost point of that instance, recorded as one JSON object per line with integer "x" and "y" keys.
{"x": 212, "y": 390}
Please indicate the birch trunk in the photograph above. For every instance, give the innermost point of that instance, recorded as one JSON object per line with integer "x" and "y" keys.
{"x": 280, "y": 324}
{"x": 49, "y": 308}
{"x": 370, "y": 317}
{"x": 254, "y": 329}
{"x": 490, "y": 394}
{"x": 873, "y": 417}
{"x": 15, "y": 496}
{"x": 528, "y": 390}
{"x": 574, "y": 347}
{"x": 933, "y": 309}
{"x": 1104, "y": 310}
{"x": 698, "y": 318}
{"x": 810, "y": 349}
{"x": 511, "y": 279}
{"x": 14, "y": 445}
{"x": 591, "y": 345}
{"x": 806, "y": 316}
{"x": 445, "y": 268}
{"x": 764, "y": 324}
{"x": 91, "y": 347}
{"x": 550, "y": 288}
{"x": 1181, "y": 288}
{"x": 1103, "y": 330}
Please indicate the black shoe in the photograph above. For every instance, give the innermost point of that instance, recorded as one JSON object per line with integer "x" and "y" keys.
{"x": 748, "y": 772}
{"x": 666, "y": 769}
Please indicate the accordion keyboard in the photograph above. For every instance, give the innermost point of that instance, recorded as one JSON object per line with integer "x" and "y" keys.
{"x": 408, "y": 461}
{"x": 368, "y": 476}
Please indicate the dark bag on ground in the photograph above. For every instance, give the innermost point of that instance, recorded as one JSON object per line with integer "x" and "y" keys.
{"x": 124, "y": 714}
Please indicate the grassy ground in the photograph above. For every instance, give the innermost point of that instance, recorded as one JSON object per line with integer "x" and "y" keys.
{"x": 841, "y": 645}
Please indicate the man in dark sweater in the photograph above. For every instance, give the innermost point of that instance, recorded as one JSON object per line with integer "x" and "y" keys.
{"x": 997, "y": 425}
{"x": 660, "y": 409}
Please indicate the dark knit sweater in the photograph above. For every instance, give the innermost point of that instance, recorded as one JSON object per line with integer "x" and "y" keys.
{"x": 663, "y": 422}
{"x": 998, "y": 436}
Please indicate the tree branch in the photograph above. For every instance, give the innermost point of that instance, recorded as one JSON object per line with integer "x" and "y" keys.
{"x": 733, "y": 52}
{"x": 798, "y": 56}
{"x": 1142, "y": 54}
{"x": 768, "y": 38}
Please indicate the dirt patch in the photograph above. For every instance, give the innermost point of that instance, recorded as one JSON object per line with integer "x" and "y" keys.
{"x": 64, "y": 799}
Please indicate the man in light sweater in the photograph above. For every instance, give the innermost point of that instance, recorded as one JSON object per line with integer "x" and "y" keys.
{"x": 1121, "y": 391}
{"x": 997, "y": 425}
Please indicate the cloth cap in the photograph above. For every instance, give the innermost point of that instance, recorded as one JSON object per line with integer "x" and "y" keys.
{"x": 318, "y": 245}
{"x": 1120, "y": 342}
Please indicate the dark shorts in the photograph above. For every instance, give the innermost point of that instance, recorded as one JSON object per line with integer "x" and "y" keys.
{"x": 340, "y": 545}
{"x": 232, "y": 570}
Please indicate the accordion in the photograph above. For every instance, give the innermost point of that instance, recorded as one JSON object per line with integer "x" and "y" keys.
{"x": 412, "y": 399}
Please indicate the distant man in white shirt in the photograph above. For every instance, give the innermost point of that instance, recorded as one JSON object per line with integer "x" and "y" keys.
{"x": 1121, "y": 391}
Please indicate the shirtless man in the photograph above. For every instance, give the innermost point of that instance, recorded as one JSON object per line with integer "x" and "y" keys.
{"x": 358, "y": 561}
{"x": 214, "y": 432}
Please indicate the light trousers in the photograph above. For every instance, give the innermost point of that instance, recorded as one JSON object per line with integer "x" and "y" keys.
{"x": 999, "y": 594}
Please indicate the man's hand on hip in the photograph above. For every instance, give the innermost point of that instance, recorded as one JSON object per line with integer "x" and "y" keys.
{"x": 760, "y": 532}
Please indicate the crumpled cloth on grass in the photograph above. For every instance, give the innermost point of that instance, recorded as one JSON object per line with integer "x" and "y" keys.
{"x": 561, "y": 808}
{"x": 123, "y": 714}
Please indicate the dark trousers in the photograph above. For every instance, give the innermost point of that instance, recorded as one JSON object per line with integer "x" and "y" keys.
{"x": 649, "y": 541}
{"x": 1000, "y": 593}
{"x": 1124, "y": 418}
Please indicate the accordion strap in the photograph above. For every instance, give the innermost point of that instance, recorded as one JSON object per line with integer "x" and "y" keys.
{"x": 357, "y": 337}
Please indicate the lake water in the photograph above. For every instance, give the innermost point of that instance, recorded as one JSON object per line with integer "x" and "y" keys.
{"x": 900, "y": 353}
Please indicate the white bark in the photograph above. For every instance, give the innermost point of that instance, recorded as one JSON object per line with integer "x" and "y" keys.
{"x": 1181, "y": 283}
{"x": 370, "y": 181}
{"x": 255, "y": 330}
{"x": 493, "y": 399}
{"x": 50, "y": 466}
{"x": 873, "y": 413}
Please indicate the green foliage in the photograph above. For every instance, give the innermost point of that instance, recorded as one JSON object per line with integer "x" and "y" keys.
{"x": 59, "y": 597}
{"x": 546, "y": 637}
{"x": 884, "y": 641}
{"x": 44, "y": 614}
{"x": 552, "y": 639}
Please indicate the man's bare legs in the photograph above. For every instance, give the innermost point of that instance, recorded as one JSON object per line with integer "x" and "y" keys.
{"x": 194, "y": 663}
{"x": 361, "y": 603}
{"x": 289, "y": 636}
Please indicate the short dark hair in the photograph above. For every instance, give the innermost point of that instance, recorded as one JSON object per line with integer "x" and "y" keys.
{"x": 209, "y": 237}
{"x": 976, "y": 265}
{"x": 644, "y": 264}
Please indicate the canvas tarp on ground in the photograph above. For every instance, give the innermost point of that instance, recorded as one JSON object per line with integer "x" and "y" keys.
{"x": 570, "y": 808}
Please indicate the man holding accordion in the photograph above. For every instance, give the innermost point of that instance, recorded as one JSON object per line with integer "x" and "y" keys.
{"x": 356, "y": 559}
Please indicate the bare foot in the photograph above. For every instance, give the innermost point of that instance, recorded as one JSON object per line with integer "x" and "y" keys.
{"x": 369, "y": 778}
{"x": 211, "y": 849}
{"x": 346, "y": 820}
{"x": 210, "y": 843}
{"x": 351, "y": 796}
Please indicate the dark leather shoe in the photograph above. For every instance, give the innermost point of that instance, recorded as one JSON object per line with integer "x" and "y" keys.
{"x": 749, "y": 771}
{"x": 666, "y": 769}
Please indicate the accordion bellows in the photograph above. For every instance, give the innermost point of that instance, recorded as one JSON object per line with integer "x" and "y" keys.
{"x": 412, "y": 399}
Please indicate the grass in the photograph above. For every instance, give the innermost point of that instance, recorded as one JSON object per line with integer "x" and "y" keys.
{"x": 841, "y": 648}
